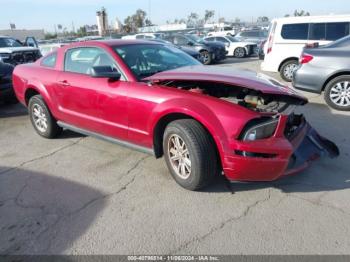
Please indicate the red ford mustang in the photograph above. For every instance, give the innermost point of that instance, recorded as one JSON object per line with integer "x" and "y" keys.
{"x": 157, "y": 99}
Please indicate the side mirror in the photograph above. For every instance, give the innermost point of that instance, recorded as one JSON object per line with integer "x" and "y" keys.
{"x": 190, "y": 43}
{"x": 105, "y": 72}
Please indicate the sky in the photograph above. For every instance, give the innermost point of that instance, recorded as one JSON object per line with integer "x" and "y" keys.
{"x": 44, "y": 14}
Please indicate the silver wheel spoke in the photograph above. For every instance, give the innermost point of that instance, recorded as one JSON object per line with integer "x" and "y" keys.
{"x": 179, "y": 156}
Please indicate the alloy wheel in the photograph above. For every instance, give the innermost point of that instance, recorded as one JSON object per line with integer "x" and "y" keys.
{"x": 179, "y": 156}
{"x": 39, "y": 118}
{"x": 289, "y": 71}
{"x": 340, "y": 94}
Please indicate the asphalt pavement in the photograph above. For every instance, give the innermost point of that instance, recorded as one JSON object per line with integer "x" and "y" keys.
{"x": 80, "y": 195}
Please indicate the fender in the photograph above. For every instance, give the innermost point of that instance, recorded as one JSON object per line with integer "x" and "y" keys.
{"x": 204, "y": 115}
{"x": 42, "y": 90}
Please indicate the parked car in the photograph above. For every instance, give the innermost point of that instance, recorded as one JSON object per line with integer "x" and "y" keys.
{"x": 211, "y": 52}
{"x": 288, "y": 36}
{"x": 190, "y": 51}
{"x": 161, "y": 101}
{"x": 261, "y": 52}
{"x": 144, "y": 36}
{"x": 255, "y": 36}
{"x": 12, "y": 51}
{"x": 7, "y": 94}
{"x": 326, "y": 69}
{"x": 223, "y": 31}
{"x": 234, "y": 47}
{"x": 48, "y": 48}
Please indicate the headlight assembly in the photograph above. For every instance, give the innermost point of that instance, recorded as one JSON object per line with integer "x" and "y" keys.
{"x": 4, "y": 57}
{"x": 259, "y": 130}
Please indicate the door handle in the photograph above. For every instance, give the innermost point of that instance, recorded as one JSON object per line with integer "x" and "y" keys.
{"x": 64, "y": 83}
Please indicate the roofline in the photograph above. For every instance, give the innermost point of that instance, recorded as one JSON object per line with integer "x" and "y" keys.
{"x": 293, "y": 18}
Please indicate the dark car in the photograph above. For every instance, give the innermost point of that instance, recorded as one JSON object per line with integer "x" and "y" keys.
{"x": 190, "y": 51}
{"x": 326, "y": 69}
{"x": 7, "y": 94}
{"x": 210, "y": 51}
{"x": 14, "y": 52}
{"x": 157, "y": 99}
{"x": 255, "y": 36}
{"x": 261, "y": 52}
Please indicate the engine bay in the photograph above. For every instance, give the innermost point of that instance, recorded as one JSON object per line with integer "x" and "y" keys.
{"x": 242, "y": 96}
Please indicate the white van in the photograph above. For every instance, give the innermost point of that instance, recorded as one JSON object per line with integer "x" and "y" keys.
{"x": 288, "y": 36}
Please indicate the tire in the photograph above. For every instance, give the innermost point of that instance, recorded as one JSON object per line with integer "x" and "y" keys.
{"x": 206, "y": 57}
{"x": 200, "y": 163}
{"x": 42, "y": 120}
{"x": 239, "y": 52}
{"x": 337, "y": 93}
{"x": 287, "y": 70}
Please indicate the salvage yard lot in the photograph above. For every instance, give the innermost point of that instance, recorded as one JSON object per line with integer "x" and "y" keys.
{"x": 80, "y": 195}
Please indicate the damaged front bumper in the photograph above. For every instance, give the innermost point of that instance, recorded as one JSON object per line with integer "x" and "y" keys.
{"x": 285, "y": 153}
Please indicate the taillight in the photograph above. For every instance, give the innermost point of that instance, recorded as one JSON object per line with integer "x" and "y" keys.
{"x": 305, "y": 58}
{"x": 269, "y": 47}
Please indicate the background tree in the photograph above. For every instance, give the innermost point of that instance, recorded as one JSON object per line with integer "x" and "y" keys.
{"x": 222, "y": 20}
{"x": 301, "y": 13}
{"x": 133, "y": 22}
{"x": 82, "y": 31}
{"x": 192, "y": 20}
{"x": 208, "y": 15}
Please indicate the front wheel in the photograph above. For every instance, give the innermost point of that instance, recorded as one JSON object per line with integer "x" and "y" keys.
{"x": 190, "y": 154}
{"x": 42, "y": 120}
{"x": 337, "y": 93}
{"x": 239, "y": 52}
{"x": 205, "y": 57}
{"x": 287, "y": 70}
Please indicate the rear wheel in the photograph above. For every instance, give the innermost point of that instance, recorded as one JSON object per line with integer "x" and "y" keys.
{"x": 189, "y": 154}
{"x": 287, "y": 70}
{"x": 337, "y": 93}
{"x": 239, "y": 52}
{"x": 42, "y": 120}
{"x": 206, "y": 57}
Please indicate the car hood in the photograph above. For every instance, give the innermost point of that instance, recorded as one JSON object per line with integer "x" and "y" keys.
{"x": 214, "y": 44}
{"x": 188, "y": 50}
{"x": 17, "y": 49}
{"x": 245, "y": 43}
{"x": 235, "y": 77}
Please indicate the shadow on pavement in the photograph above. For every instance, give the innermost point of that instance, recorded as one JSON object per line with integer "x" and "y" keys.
{"x": 43, "y": 214}
{"x": 12, "y": 110}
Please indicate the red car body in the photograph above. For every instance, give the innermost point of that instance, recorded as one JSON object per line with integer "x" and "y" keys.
{"x": 134, "y": 112}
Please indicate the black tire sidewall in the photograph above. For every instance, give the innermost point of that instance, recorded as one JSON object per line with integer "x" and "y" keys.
{"x": 196, "y": 180}
{"x": 328, "y": 89}
{"x": 52, "y": 128}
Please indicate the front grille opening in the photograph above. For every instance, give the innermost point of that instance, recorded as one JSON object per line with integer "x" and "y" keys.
{"x": 256, "y": 155}
{"x": 294, "y": 123}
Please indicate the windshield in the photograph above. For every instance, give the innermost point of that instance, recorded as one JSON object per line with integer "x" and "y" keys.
{"x": 195, "y": 38}
{"x": 9, "y": 42}
{"x": 145, "y": 60}
{"x": 232, "y": 39}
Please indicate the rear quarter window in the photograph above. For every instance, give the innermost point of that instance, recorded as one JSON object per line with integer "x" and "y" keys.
{"x": 295, "y": 31}
{"x": 49, "y": 61}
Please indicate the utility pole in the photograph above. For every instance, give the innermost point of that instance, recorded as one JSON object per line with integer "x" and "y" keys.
{"x": 149, "y": 9}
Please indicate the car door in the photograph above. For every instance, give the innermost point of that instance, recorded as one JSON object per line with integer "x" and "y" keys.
{"x": 95, "y": 104}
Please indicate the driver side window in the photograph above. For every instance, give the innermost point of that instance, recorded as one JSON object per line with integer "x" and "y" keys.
{"x": 81, "y": 60}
